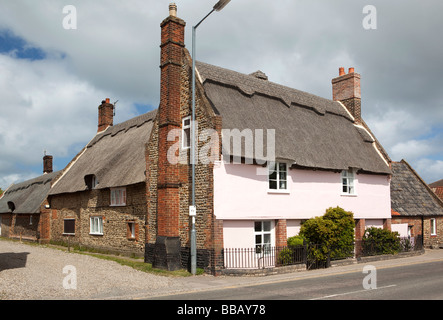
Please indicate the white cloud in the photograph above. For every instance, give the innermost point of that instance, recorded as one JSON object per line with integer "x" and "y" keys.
{"x": 42, "y": 107}
{"x": 411, "y": 149}
{"x": 430, "y": 170}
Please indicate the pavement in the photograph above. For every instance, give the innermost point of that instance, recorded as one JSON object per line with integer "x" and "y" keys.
{"x": 209, "y": 283}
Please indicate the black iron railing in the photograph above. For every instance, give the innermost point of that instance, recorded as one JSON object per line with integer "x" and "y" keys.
{"x": 313, "y": 255}
{"x": 263, "y": 257}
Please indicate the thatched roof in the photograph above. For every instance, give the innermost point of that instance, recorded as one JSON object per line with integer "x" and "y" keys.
{"x": 410, "y": 196}
{"x": 27, "y": 196}
{"x": 116, "y": 157}
{"x": 311, "y": 131}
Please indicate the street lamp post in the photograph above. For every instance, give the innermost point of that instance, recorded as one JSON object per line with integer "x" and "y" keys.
{"x": 192, "y": 210}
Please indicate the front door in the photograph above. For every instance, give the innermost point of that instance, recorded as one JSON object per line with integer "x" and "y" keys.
{"x": 264, "y": 251}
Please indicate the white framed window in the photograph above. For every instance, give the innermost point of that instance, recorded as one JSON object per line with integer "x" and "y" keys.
{"x": 433, "y": 227}
{"x": 278, "y": 177}
{"x": 348, "y": 182}
{"x": 118, "y": 197}
{"x": 186, "y": 133}
{"x": 263, "y": 236}
{"x": 96, "y": 225}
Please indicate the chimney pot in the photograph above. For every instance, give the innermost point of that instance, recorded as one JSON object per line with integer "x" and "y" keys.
{"x": 341, "y": 71}
{"x": 346, "y": 89}
{"x": 47, "y": 164}
{"x": 173, "y": 9}
{"x": 105, "y": 115}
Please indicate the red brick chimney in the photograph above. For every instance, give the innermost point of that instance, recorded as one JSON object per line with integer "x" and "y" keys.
{"x": 47, "y": 164}
{"x": 346, "y": 89}
{"x": 105, "y": 115}
{"x": 167, "y": 247}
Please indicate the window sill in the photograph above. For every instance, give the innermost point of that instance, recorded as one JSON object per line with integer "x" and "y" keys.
{"x": 278, "y": 191}
{"x": 68, "y": 234}
{"x": 117, "y": 205}
{"x": 95, "y": 234}
{"x": 349, "y": 195}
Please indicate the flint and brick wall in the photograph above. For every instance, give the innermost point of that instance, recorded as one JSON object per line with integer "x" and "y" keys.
{"x": 81, "y": 206}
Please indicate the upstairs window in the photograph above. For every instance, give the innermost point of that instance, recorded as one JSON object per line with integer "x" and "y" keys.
{"x": 348, "y": 186}
{"x": 11, "y": 206}
{"x": 118, "y": 197}
{"x": 186, "y": 133}
{"x": 278, "y": 176}
{"x": 91, "y": 181}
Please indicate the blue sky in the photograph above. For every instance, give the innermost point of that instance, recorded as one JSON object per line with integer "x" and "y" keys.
{"x": 52, "y": 79}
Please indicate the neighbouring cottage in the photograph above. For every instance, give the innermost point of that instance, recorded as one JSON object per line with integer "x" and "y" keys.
{"x": 416, "y": 211}
{"x": 325, "y": 156}
{"x": 100, "y": 200}
{"x": 24, "y": 212}
{"x": 437, "y": 187}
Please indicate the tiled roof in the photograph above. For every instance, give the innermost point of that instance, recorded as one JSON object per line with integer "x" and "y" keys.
{"x": 410, "y": 196}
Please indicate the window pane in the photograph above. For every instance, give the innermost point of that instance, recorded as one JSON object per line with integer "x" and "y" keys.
{"x": 283, "y": 176}
{"x": 273, "y": 168}
{"x": 258, "y": 239}
{"x": 267, "y": 226}
{"x": 267, "y": 238}
{"x": 282, "y": 167}
{"x": 187, "y": 138}
{"x": 273, "y": 176}
{"x": 257, "y": 226}
{"x": 272, "y": 184}
{"x": 282, "y": 185}
{"x": 69, "y": 226}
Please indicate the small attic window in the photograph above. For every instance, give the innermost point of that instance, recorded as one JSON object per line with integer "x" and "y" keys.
{"x": 91, "y": 181}
{"x": 11, "y": 206}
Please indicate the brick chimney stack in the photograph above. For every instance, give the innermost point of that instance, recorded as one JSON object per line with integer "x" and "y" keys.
{"x": 346, "y": 89}
{"x": 105, "y": 115}
{"x": 47, "y": 164}
{"x": 167, "y": 246}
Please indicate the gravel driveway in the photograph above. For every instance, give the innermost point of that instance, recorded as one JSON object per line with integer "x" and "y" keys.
{"x": 37, "y": 272}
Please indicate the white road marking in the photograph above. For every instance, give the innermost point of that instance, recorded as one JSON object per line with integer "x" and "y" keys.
{"x": 358, "y": 291}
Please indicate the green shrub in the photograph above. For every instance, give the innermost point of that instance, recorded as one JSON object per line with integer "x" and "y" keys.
{"x": 295, "y": 241}
{"x": 332, "y": 234}
{"x": 285, "y": 257}
{"x": 380, "y": 241}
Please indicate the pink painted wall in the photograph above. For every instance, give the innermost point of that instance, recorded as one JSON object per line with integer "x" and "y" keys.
{"x": 241, "y": 194}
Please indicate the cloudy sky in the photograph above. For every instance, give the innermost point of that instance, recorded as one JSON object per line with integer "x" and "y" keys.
{"x": 52, "y": 79}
